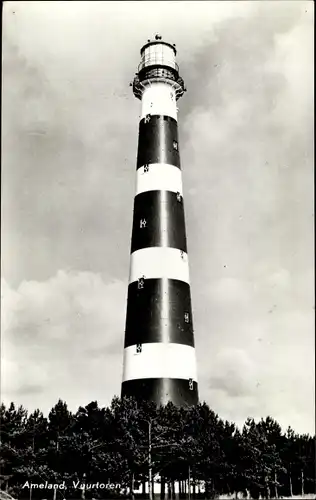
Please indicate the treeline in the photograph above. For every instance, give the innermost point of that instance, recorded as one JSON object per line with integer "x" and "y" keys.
{"x": 128, "y": 442}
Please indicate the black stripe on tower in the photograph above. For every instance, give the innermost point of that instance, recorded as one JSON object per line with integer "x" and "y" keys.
{"x": 158, "y": 141}
{"x": 148, "y": 322}
{"x": 158, "y": 221}
{"x": 162, "y": 390}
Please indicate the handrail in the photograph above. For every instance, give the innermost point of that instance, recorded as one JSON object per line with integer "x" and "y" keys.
{"x": 140, "y": 85}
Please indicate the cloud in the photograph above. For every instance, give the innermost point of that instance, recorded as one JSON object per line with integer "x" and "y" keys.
{"x": 246, "y": 139}
{"x": 62, "y": 338}
{"x": 248, "y": 159}
{"x": 256, "y": 358}
{"x": 234, "y": 373}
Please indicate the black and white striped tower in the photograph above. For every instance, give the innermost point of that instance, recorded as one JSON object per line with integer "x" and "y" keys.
{"x": 159, "y": 355}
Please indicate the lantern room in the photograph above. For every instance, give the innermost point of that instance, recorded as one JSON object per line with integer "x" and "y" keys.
{"x": 158, "y": 64}
{"x": 158, "y": 53}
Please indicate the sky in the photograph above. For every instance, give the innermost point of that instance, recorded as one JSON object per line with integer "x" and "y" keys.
{"x": 69, "y": 143}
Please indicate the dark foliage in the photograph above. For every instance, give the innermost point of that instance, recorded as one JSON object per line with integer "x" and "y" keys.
{"x": 111, "y": 445}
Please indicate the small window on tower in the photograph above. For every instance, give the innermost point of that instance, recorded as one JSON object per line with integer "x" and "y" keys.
{"x": 138, "y": 348}
{"x": 190, "y": 384}
{"x": 141, "y": 282}
{"x": 146, "y": 167}
{"x": 142, "y": 223}
{"x": 186, "y": 317}
{"x": 175, "y": 145}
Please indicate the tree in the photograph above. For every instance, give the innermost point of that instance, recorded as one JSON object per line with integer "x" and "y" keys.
{"x": 13, "y": 421}
{"x": 132, "y": 441}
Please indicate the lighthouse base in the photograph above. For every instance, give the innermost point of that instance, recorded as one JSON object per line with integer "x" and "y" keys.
{"x": 162, "y": 390}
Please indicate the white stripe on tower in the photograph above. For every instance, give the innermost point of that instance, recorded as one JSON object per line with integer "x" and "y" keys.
{"x": 160, "y": 360}
{"x": 159, "y": 262}
{"x": 159, "y": 177}
{"x": 159, "y": 99}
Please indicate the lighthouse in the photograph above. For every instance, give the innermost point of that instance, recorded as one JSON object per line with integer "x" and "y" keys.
{"x": 159, "y": 355}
